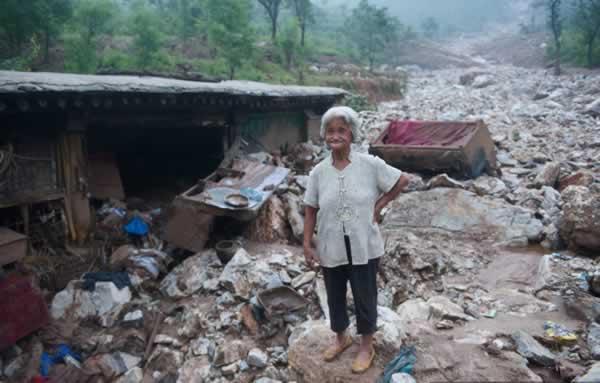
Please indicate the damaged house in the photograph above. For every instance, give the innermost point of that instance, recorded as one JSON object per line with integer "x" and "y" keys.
{"x": 68, "y": 139}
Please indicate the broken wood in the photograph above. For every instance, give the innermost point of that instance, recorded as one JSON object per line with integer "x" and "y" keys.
{"x": 157, "y": 321}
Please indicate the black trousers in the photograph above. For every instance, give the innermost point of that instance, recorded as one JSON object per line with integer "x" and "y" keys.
{"x": 363, "y": 282}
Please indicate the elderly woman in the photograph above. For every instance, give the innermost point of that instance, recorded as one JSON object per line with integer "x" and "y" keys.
{"x": 344, "y": 198}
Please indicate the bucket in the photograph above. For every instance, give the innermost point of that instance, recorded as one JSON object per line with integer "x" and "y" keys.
{"x": 226, "y": 250}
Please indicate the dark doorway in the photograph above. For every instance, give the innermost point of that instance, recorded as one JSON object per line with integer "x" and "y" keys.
{"x": 160, "y": 159}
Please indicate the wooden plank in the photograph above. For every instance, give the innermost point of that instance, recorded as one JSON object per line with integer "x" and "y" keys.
{"x": 105, "y": 179}
{"x": 13, "y": 246}
{"x": 188, "y": 227}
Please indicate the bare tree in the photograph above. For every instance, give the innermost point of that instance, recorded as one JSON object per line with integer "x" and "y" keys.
{"x": 555, "y": 21}
{"x": 272, "y": 8}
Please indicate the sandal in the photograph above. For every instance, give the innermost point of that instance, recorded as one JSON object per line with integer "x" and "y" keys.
{"x": 359, "y": 368}
{"x": 334, "y": 351}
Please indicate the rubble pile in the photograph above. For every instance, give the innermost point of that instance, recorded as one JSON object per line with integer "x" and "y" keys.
{"x": 464, "y": 278}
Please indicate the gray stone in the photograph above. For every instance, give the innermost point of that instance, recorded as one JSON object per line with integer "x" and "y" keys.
{"x": 483, "y": 81}
{"x": 390, "y": 334}
{"x": 548, "y": 176}
{"x": 195, "y": 370}
{"x": 242, "y": 275}
{"x": 303, "y": 279}
{"x": 579, "y": 225}
{"x": 593, "y": 340}
{"x": 135, "y": 375}
{"x": 486, "y": 185}
{"x": 591, "y": 376}
{"x": 200, "y": 346}
{"x": 267, "y": 380}
{"x": 402, "y": 378}
{"x": 444, "y": 308}
{"x": 532, "y": 350}
{"x": 230, "y": 369}
{"x": 593, "y": 108}
{"x": 293, "y": 209}
{"x": 443, "y": 180}
{"x": 189, "y": 276}
{"x": 229, "y": 353}
{"x": 257, "y": 358}
{"x": 414, "y": 310}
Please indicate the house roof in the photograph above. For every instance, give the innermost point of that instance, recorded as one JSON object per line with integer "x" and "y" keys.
{"x": 12, "y": 82}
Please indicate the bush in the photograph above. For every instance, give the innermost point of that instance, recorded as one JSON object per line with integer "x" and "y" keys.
{"x": 358, "y": 102}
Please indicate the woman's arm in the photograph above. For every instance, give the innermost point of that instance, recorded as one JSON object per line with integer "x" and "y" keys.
{"x": 386, "y": 198}
{"x": 310, "y": 220}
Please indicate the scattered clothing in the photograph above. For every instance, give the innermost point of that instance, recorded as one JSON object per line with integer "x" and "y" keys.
{"x": 403, "y": 362}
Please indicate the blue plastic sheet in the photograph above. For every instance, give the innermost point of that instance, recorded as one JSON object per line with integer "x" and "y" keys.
{"x": 137, "y": 226}
{"x": 403, "y": 362}
{"x": 47, "y": 360}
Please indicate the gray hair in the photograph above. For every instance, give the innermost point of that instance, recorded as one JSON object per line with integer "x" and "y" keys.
{"x": 347, "y": 114}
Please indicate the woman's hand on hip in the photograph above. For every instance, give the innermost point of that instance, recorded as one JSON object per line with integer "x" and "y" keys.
{"x": 310, "y": 256}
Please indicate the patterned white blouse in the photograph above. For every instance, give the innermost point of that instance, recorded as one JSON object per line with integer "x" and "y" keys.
{"x": 346, "y": 201}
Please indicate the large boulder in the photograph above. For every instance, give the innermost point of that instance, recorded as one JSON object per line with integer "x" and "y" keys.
{"x": 305, "y": 357}
{"x": 189, "y": 276}
{"x": 580, "y": 223}
{"x": 463, "y": 213}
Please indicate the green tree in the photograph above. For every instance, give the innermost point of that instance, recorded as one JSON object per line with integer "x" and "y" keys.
{"x": 91, "y": 19}
{"x": 288, "y": 43}
{"x": 272, "y": 8}
{"x": 587, "y": 21}
{"x": 55, "y": 15}
{"x": 430, "y": 27}
{"x": 371, "y": 30}
{"x": 230, "y": 31}
{"x": 19, "y": 21}
{"x": 147, "y": 37}
{"x": 303, "y": 10}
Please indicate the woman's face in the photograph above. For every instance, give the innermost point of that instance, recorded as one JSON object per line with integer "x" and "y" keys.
{"x": 338, "y": 134}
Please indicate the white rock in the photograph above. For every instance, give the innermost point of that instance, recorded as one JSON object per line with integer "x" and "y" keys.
{"x": 135, "y": 375}
{"x": 402, "y": 378}
{"x": 303, "y": 279}
{"x": 414, "y": 310}
{"x": 133, "y": 316}
{"x": 444, "y": 308}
